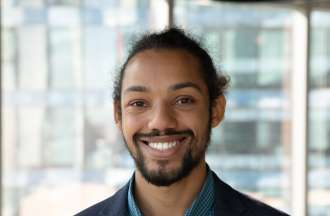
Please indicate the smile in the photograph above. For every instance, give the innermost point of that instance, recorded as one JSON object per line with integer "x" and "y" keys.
{"x": 163, "y": 146}
{"x": 164, "y": 143}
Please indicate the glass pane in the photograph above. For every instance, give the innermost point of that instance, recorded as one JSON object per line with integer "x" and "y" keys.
{"x": 31, "y": 59}
{"x": 319, "y": 118}
{"x": 252, "y": 44}
{"x": 59, "y": 138}
{"x": 63, "y": 2}
{"x": 63, "y": 58}
{"x": 8, "y": 54}
{"x": 29, "y": 3}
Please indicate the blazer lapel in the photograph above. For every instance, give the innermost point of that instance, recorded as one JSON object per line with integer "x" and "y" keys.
{"x": 117, "y": 204}
{"x": 227, "y": 202}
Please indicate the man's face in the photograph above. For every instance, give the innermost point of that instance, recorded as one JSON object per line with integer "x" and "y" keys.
{"x": 164, "y": 114}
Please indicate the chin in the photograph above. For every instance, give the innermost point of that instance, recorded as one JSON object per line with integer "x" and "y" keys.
{"x": 164, "y": 174}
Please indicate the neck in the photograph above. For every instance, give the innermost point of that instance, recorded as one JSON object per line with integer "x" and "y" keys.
{"x": 169, "y": 200}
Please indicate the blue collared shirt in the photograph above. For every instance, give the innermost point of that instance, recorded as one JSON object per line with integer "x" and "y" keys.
{"x": 202, "y": 205}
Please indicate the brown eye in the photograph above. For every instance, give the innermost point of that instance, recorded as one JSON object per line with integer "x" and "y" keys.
{"x": 138, "y": 104}
{"x": 184, "y": 101}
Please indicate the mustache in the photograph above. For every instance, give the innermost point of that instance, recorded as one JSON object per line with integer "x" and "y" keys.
{"x": 167, "y": 132}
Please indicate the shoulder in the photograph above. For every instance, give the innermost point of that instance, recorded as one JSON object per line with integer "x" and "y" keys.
{"x": 255, "y": 207}
{"x": 95, "y": 209}
{"x": 116, "y": 205}
{"x": 234, "y": 202}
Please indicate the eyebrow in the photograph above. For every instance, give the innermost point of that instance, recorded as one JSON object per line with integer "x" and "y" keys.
{"x": 174, "y": 87}
{"x": 185, "y": 85}
{"x": 136, "y": 89}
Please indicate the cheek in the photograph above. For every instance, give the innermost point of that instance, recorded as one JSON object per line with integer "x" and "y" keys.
{"x": 199, "y": 123}
{"x": 128, "y": 130}
{"x": 200, "y": 116}
{"x": 196, "y": 121}
{"x": 131, "y": 124}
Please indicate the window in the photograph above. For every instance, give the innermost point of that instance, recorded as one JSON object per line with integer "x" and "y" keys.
{"x": 60, "y": 141}
{"x": 319, "y": 118}
{"x": 254, "y": 139}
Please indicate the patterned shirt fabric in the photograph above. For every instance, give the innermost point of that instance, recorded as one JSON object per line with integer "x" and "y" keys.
{"x": 202, "y": 205}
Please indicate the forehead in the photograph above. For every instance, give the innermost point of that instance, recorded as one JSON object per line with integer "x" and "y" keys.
{"x": 162, "y": 66}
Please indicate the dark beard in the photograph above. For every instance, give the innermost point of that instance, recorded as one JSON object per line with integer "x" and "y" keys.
{"x": 161, "y": 177}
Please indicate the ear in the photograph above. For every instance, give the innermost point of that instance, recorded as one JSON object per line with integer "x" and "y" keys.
{"x": 117, "y": 113}
{"x": 218, "y": 111}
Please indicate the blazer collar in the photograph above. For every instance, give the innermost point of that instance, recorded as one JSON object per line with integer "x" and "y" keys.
{"x": 226, "y": 200}
{"x": 117, "y": 204}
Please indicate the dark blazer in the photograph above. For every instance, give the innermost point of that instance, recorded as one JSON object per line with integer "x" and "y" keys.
{"x": 228, "y": 202}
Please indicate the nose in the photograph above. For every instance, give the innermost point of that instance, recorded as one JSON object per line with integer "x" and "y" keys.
{"x": 162, "y": 118}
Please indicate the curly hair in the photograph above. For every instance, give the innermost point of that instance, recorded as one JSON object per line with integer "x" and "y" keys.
{"x": 176, "y": 39}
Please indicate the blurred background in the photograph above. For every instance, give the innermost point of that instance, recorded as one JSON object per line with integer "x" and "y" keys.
{"x": 60, "y": 150}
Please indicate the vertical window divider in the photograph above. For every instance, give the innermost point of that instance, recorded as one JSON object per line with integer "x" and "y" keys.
{"x": 1, "y": 95}
{"x": 299, "y": 94}
{"x": 170, "y": 12}
{"x": 80, "y": 93}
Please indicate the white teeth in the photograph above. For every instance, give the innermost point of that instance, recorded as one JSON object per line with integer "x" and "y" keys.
{"x": 162, "y": 146}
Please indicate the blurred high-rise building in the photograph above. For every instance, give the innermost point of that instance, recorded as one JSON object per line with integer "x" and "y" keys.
{"x": 61, "y": 151}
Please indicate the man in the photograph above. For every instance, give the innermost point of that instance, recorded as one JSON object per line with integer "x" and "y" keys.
{"x": 167, "y": 97}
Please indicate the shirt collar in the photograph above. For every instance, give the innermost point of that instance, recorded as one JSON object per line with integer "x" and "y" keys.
{"x": 133, "y": 209}
{"x": 202, "y": 204}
